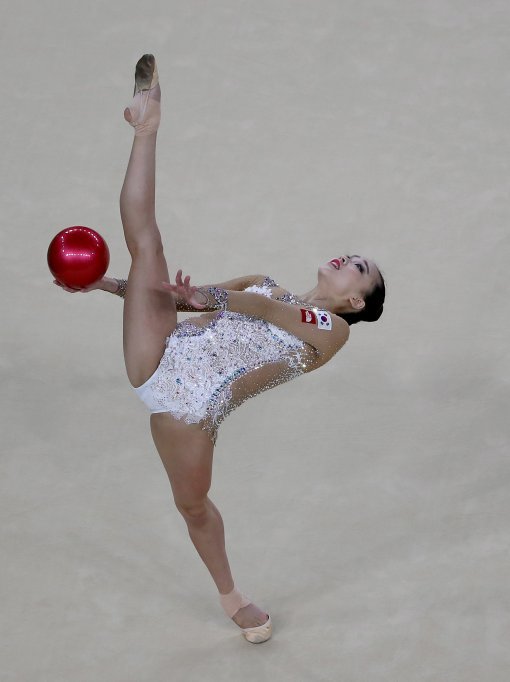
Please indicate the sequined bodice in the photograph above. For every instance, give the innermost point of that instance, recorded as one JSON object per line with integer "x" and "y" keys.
{"x": 201, "y": 363}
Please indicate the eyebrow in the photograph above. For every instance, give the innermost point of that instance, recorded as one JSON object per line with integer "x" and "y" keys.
{"x": 355, "y": 255}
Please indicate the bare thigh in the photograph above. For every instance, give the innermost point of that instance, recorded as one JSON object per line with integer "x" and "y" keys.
{"x": 186, "y": 451}
{"x": 150, "y": 314}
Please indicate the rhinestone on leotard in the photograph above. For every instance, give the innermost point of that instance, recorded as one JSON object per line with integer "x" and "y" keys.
{"x": 200, "y": 364}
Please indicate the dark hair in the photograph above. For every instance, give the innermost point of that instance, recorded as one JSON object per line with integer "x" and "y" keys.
{"x": 374, "y": 303}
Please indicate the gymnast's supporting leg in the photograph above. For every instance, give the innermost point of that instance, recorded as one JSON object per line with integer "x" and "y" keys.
{"x": 187, "y": 455}
{"x": 150, "y": 314}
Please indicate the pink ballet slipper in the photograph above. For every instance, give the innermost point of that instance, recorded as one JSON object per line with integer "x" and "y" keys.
{"x": 144, "y": 112}
{"x": 235, "y": 600}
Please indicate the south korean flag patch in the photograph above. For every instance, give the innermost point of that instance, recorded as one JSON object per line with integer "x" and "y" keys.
{"x": 324, "y": 320}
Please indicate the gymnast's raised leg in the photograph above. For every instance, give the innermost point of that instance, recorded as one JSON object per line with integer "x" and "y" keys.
{"x": 150, "y": 316}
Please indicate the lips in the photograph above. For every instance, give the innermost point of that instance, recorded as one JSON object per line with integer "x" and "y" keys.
{"x": 336, "y": 263}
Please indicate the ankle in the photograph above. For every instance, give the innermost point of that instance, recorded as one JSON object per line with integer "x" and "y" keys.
{"x": 225, "y": 588}
{"x": 233, "y": 601}
{"x": 144, "y": 112}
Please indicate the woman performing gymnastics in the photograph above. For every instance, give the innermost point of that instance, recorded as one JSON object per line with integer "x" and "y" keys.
{"x": 252, "y": 335}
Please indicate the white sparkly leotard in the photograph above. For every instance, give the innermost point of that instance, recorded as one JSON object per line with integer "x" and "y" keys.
{"x": 195, "y": 375}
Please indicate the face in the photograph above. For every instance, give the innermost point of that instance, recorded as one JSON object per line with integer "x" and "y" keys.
{"x": 348, "y": 279}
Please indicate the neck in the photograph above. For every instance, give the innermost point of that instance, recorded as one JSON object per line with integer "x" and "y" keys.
{"x": 315, "y": 298}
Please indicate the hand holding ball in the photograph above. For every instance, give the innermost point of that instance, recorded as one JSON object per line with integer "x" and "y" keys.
{"x": 78, "y": 256}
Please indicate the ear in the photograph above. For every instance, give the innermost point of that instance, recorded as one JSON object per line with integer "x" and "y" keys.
{"x": 357, "y": 303}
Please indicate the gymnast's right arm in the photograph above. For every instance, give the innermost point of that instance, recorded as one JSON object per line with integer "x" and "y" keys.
{"x": 118, "y": 286}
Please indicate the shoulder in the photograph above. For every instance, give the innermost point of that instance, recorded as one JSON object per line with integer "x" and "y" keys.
{"x": 324, "y": 331}
{"x": 264, "y": 281}
{"x": 238, "y": 283}
{"x": 260, "y": 284}
{"x": 328, "y": 344}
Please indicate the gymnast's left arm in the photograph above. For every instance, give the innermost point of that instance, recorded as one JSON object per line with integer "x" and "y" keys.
{"x": 321, "y": 329}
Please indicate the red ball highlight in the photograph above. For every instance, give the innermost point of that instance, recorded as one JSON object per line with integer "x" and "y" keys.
{"x": 78, "y": 256}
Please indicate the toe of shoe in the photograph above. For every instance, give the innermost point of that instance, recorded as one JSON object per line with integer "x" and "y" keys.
{"x": 259, "y": 634}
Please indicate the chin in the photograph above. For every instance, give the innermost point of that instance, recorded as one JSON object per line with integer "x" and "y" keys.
{"x": 324, "y": 271}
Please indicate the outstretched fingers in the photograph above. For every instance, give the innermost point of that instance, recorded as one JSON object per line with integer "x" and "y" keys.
{"x": 184, "y": 290}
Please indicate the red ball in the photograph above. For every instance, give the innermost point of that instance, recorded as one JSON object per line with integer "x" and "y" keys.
{"x": 78, "y": 256}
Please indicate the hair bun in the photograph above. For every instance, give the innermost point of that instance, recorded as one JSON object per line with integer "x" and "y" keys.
{"x": 372, "y": 315}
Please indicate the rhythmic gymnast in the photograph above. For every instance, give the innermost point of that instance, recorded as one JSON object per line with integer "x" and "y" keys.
{"x": 252, "y": 335}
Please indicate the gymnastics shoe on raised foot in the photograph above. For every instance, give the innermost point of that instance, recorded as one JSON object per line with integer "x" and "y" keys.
{"x": 144, "y": 112}
{"x": 235, "y": 600}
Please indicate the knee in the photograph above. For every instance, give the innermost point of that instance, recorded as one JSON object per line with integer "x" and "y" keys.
{"x": 146, "y": 246}
{"x": 194, "y": 512}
